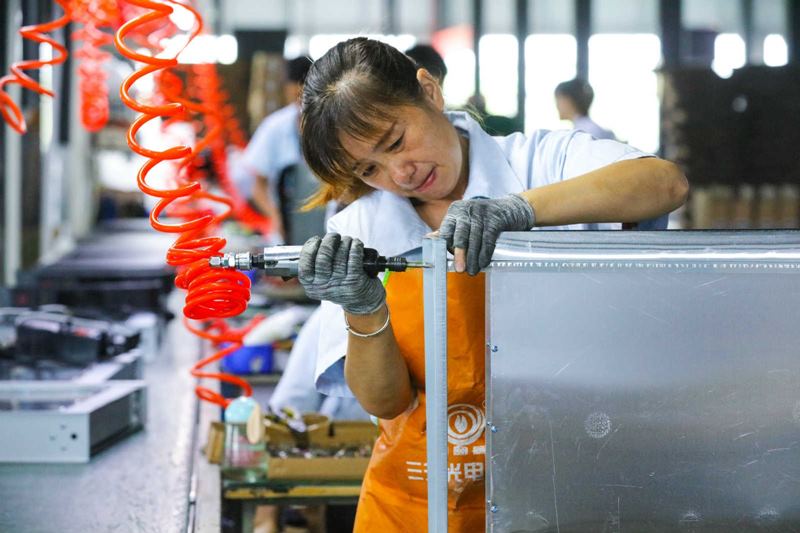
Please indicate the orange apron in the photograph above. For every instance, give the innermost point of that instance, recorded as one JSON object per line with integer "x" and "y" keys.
{"x": 394, "y": 493}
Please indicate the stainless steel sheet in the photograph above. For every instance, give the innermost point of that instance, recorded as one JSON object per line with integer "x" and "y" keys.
{"x": 644, "y": 382}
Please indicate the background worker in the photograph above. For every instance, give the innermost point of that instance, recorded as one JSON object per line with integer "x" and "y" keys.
{"x": 275, "y": 147}
{"x": 296, "y": 389}
{"x": 425, "y": 56}
{"x": 373, "y": 129}
{"x": 573, "y": 100}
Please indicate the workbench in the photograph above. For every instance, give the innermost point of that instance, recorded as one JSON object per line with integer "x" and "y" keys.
{"x": 229, "y": 505}
{"x": 140, "y": 484}
{"x": 240, "y": 498}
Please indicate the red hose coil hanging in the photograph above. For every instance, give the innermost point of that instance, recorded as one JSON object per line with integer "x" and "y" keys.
{"x": 149, "y": 33}
{"x": 10, "y": 111}
{"x": 93, "y": 15}
{"x": 212, "y": 293}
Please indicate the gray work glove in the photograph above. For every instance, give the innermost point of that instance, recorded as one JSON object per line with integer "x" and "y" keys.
{"x": 475, "y": 225}
{"x": 331, "y": 269}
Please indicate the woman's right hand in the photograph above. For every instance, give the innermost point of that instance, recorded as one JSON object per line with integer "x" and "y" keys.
{"x": 332, "y": 269}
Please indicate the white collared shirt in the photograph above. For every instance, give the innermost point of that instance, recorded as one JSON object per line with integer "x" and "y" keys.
{"x": 296, "y": 388}
{"x": 274, "y": 147}
{"x": 591, "y": 127}
{"x": 498, "y": 166}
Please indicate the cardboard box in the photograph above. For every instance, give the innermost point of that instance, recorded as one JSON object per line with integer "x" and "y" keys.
{"x": 325, "y": 435}
{"x": 215, "y": 444}
{"x": 278, "y": 435}
{"x": 318, "y": 468}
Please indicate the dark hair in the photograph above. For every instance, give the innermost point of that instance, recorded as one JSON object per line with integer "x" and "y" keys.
{"x": 426, "y": 56}
{"x": 297, "y": 69}
{"x": 579, "y": 91}
{"x": 357, "y": 85}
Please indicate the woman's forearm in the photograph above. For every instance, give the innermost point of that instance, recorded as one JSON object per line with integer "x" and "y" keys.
{"x": 626, "y": 191}
{"x": 374, "y": 368}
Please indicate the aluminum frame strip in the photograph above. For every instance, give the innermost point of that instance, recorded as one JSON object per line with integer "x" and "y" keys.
{"x": 434, "y": 283}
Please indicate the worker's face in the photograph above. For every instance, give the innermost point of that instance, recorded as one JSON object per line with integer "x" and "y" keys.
{"x": 418, "y": 155}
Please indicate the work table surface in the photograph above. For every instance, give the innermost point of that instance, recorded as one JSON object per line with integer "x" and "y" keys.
{"x": 141, "y": 483}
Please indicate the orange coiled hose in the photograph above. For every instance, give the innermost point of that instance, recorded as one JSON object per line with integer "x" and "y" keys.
{"x": 211, "y": 293}
{"x": 219, "y": 332}
{"x": 11, "y": 112}
{"x": 93, "y": 15}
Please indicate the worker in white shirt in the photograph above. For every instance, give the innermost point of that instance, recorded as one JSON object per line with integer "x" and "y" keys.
{"x": 296, "y": 389}
{"x": 573, "y": 100}
{"x": 275, "y": 147}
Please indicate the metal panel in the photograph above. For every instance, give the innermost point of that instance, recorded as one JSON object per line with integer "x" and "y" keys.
{"x": 644, "y": 382}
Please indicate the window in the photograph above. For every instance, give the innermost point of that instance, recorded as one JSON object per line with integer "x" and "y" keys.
{"x": 776, "y": 51}
{"x": 206, "y": 48}
{"x": 549, "y": 60}
{"x": 621, "y": 71}
{"x": 498, "y": 56}
{"x": 729, "y": 54}
{"x": 455, "y": 46}
{"x": 459, "y": 84}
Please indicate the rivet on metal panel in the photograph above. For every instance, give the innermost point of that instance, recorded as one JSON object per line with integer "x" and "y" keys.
{"x": 493, "y": 508}
{"x": 494, "y": 348}
{"x": 492, "y": 427}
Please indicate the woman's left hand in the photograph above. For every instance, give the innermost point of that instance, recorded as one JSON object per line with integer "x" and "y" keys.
{"x": 471, "y": 228}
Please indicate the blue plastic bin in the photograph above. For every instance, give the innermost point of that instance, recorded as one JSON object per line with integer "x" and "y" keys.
{"x": 249, "y": 360}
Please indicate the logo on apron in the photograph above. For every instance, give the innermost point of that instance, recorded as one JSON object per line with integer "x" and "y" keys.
{"x": 465, "y": 424}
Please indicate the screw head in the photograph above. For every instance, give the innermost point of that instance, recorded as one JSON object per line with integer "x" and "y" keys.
{"x": 493, "y": 508}
{"x": 493, "y": 428}
{"x": 494, "y": 348}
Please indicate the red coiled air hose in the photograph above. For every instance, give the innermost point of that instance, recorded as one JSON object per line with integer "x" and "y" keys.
{"x": 212, "y": 293}
{"x": 93, "y": 15}
{"x": 11, "y": 112}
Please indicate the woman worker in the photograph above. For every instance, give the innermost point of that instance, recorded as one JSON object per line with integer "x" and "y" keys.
{"x": 374, "y": 130}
